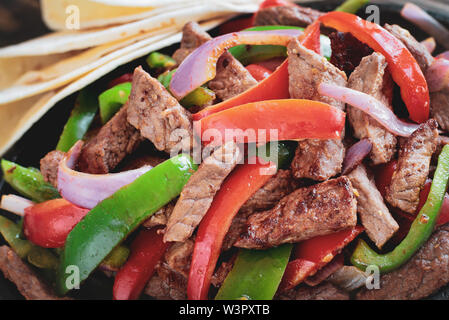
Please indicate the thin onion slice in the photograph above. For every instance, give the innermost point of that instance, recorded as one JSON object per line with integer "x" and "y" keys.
{"x": 437, "y": 75}
{"x": 430, "y": 44}
{"x": 15, "y": 204}
{"x": 355, "y": 155}
{"x": 444, "y": 55}
{"x": 87, "y": 190}
{"x": 425, "y": 21}
{"x": 200, "y": 66}
{"x": 371, "y": 106}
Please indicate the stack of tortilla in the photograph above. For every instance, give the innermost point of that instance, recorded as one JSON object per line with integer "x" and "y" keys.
{"x": 38, "y": 73}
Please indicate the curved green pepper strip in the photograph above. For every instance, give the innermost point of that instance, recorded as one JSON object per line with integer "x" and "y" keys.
{"x": 113, "y": 219}
{"x": 86, "y": 107}
{"x": 116, "y": 258}
{"x": 159, "y": 60}
{"x": 28, "y": 181}
{"x": 42, "y": 258}
{"x": 256, "y": 274}
{"x": 112, "y": 100}
{"x": 352, "y": 6}
{"x": 420, "y": 231}
{"x": 283, "y": 156}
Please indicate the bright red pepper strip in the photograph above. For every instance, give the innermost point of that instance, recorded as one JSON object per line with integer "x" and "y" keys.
{"x": 275, "y": 3}
{"x": 240, "y": 185}
{"x": 311, "y": 37}
{"x": 47, "y": 224}
{"x": 401, "y": 63}
{"x": 291, "y": 118}
{"x": 146, "y": 252}
{"x": 296, "y": 272}
{"x": 258, "y": 72}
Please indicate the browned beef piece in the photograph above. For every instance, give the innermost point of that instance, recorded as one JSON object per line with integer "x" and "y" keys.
{"x": 439, "y": 107}
{"x": 305, "y": 213}
{"x": 314, "y": 159}
{"x": 49, "y": 166}
{"x": 265, "y": 198}
{"x": 158, "y": 115}
{"x": 368, "y": 78}
{"x": 413, "y": 167}
{"x": 160, "y": 217}
{"x": 374, "y": 214}
{"x": 197, "y": 195}
{"x": 222, "y": 272}
{"x": 286, "y": 16}
{"x": 146, "y": 160}
{"x": 422, "y": 275}
{"x": 325, "y": 272}
{"x": 23, "y": 276}
{"x": 116, "y": 139}
{"x": 232, "y": 78}
{"x": 325, "y": 291}
{"x": 192, "y": 37}
{"x": 347, "y": 51}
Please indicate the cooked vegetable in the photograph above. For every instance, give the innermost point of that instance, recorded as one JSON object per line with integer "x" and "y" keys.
{"x": 28, "y": 182}
{"x": 401, "y": 63}
{"x": 430, "y": 44}
{"x": 355, "y": 155}
{"x": 258, "y": 72}
{"x": 256, "y": 274}
{"x": 86, "y": 106}
{"x": 420, "y": 230}
{"x": 352, "y": 6}
{"x": 127, "y": 77}
{"x": 438, "y": 75}
{"x": 15, "y": 204}
{"x": 159, "y": 60}
{"x": 42, "y": 258}
{"x": 113, "y": 219}
{"x": 116, "y": 259}
{"x": 348, "y": 278}
{"x": 296, "y": 272}
{"x": 275, "y": 3}
{"x": 112, "y": 100}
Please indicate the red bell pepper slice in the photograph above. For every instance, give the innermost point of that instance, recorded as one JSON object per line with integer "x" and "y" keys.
{"x": 147, "y": 250}
{"x": 275, "y": 3}
{"x": 296, "y": 272}
{"x": 236, "y": 25}
{"x": 401, "y": 63}
{"x": 292, "y": 118}
{"x": 258, "y": 71}
{"x": 127, "y": 77}
{"x": 240, "y": 185}
{"x": 47, "y": 224}
{"x": 311, "y": 37}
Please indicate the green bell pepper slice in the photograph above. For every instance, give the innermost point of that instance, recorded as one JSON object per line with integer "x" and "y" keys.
{"x": 112, "y": 100}
{"x": 420, "y": 230}
{"x": 159, "y": 60}
{"x": 113, "y": 219}
{"x": 256, "y": 274}
{"x": 116, "y": 258}
{"x": 86, "y": 107}
{"x": 29, "y": 182}
{"x": 283, "y": 156}
{"x": 352, "y": 6}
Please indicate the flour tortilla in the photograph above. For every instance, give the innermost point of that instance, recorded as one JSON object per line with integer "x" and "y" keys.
{"x": 17, "y": 117}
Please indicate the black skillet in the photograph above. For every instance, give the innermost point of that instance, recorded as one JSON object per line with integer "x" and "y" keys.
{"x": 43, "y": 136}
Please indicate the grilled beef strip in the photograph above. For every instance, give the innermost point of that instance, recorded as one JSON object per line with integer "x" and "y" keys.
{"x": 369, "y": 78}
{"x": 324, "y": 291}
{"x": 197, "y": 195}
{"x": 192, "y": 37}
{"x": 160, "y": 217}
{"x": 157, "y": 114}
{"x": 286, "y": 16}
{"x": 116, "y": 139}
{"x": 49, "y": 166}
{"x": 314, "y": 159}
{"x": 422, "y": 275}
{"x": 24, "y": 277}
{"x": 308, "y": 212}
{"x": 374, "y": 214}
{"x": 413, "y": 167}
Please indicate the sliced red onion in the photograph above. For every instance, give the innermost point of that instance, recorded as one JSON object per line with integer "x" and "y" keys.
{"x": 371, "y": 106}
{"x": 425, "y": 21}
{"x": 437, "y": 75}
{"x": 430, "y": 44}
{"x": 444, "y": 55}
{"x": 15, "y": 204}
{"x": 355, "y": 155}
{"x": 200, "y": 66}
{"x": 87, "y": 190}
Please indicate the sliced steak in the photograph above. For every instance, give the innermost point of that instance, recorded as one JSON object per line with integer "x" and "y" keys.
{"x": 374, "y": 214}
{"x": 160, "y": 217}
{"x": 305, "y": 213}
{"x": 232, "y": 78}
{"x": 286, "y": 16}
{"x": 49, "y": 166}
{"x": 157, "y": 115}
{"x": 314, "y": 159}
{"x": 368, "y": 78}
{"x": 24, "y": 277}
{"x": 179, "y": 255}
{"x": 197, "y": 195}
{"x": 116, "y": 139}
{"x": 192, "y": 37}
{"x": 325, "y": 291}
{"x": 413, "y": 167}
{"x": 422, "y": 275}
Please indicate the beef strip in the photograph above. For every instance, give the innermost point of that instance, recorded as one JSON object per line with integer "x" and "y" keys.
{"x": 157, "y": 115}
{"x": 192, "y": 37}
{"x": 413, "y": 167}
{"x": 314, "y": 159}
{"x": 374, "y": 214}
{"x": 368, "y": 78}
{"x": 160, "y": 217}
{"x": 439, "y": 107}
{"x": 286, "y": 16}
{"x": 422, "y": 275}
{"x": 49, "y": 166}
{"x": 308, "y": 212}
{"x": 24, "y": 277}
{"x": 324, "y": 291}
{"x": 232, "y": 78}
{"x": 116, "y": 139}
{"x": 197, "y": 195}
{"x": 325, "y": 272}
{"x": 280, "y": 185}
